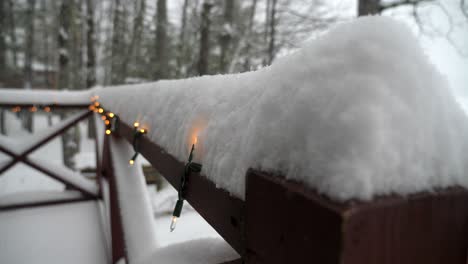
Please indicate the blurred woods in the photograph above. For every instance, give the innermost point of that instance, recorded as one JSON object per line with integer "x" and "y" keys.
{"x": 75, "y": 44}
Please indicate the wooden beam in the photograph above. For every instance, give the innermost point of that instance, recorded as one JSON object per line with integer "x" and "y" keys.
{"x": 222, "y": 211}
{"x": 59, "y": 173}
{"x": 288, "y": 223}
{"x": 53, "y": 106}
{"x": 117, "y": 239}
{"x": 43, "y": 138}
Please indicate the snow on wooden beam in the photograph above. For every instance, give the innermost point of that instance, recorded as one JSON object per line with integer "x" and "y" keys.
{"x": 133, "y": 201}
{"x": 41, "y": 198}
{"x": 19, "y": 150}
{"x": 26, "y": 98}
{"x": 225, "y": 213}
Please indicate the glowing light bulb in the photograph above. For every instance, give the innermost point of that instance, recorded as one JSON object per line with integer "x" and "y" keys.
{"x": 107, "y": 122}
{"x": 142, "y": 131}
{"x": 47, "y": 109}
{"x": 173, "y": 223}
{"x": 111, "y": 115}
{"x": 96, "y": 104}
{"x": 100, "y": 110}
{"x": 103, "y": 118}
{"x": 136, "y": 124}
{"x": 108, "y": 131}
{"x": 131, "y": 162}
{"x": 33, "y": 109}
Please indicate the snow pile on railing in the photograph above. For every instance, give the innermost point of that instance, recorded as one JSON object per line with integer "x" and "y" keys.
{"x": 356, "y": 113}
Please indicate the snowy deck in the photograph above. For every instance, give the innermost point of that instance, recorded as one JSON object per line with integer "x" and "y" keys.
{"x": 69, "y": 233}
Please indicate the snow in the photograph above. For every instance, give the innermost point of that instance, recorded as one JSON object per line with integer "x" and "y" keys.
{"x": 43, "y": 97}
{"x": 135, "y": 207}
{"x": 69, "y": 176}
{"x": 202, "y": 251}
{"x": 356, "y": 113}
{"x": 38, "y": 197}
{"x": 69, "y": 233}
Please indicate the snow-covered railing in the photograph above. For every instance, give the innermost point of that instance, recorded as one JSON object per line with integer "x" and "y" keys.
{"x": 43, "y": 98}
{"x": 133, "y": 202}
{"x": 334, "y": 139}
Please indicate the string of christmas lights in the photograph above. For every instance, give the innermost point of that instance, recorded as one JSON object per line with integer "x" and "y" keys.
{"x": 111, "y": 122}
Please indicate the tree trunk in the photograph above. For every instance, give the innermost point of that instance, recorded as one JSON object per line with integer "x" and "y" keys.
{"x": 29, "y": 44}
{"x": 266, "y": 30}
{"x": 3, "y": 50}
{"x": 368, "y": 7}
{"x": 161, "y": 54}
{"x": 28, "y": 59}
{"x": 90, "y": 59}
{"x": 181, "y": 45}
{"x": 63, "y": 37}
{"x": 118, "y": 34}
{"x": 77, "y": 82}
{"x": 272, "y": 31}
{"x": 68, "y": 146}
{"x": 204, "y": 39}
{"x": 130, "y": 58}
{"x": 226, "y": 35}
{"x": 244, "y": 40}
{"x": 13, "y": 34}
{"x": 45, "y": 28}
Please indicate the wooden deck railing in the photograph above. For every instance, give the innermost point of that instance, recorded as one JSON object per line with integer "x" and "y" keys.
{"x": 280, "y": 221}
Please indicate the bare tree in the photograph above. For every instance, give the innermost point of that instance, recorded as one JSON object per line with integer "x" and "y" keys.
{"x": 369, "y": 7}
{"x": 181, "y": 44}
{"x": 161, "y": 54}
{"x": 69, "y": 147}
{"x": 225, "y": 38}
{"x": 204, "y": 38}
{"x": 12, "y": 28}
{"x": 29, "y": 44}
{"x": 117, "y": 44}
{"x": 90, "y": 59}
{"x": 272, "y": 32}
{"x": 28, "y": 59}
{"x": 135, "y": 41}
{"x": 63, "y": 44}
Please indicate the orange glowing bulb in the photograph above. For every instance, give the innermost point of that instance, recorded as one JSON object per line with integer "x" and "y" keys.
{"x": 103, "y": 117}
{"x": 33, "y": 109}
{"x": 107, "y": 122}
{"x": 47, "y": 109}
{"x": 96, "y": 103}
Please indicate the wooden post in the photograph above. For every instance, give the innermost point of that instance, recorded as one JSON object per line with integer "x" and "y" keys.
{"x": 287, "y": 223}
{"x": 118, "y": 246}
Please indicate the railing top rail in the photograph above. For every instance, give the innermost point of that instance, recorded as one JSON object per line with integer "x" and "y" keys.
{"x": 50, "y": 98}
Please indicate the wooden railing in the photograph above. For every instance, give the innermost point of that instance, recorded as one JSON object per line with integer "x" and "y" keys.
{"x": 280, "y": 221}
